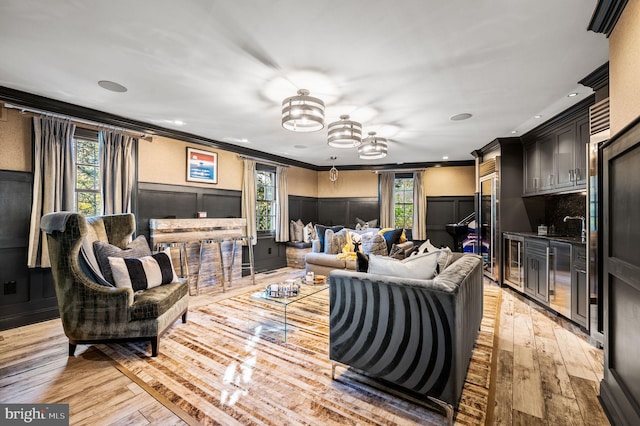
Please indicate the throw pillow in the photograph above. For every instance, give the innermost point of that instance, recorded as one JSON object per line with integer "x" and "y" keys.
{"x": 374, "y": 244}
{"x": 422, "y": 266}
{"x": 103, "y": 251}
{"x": 444, "y": 259}
{"x": 296, "y": 230}
{"x": 367, "y": 223}
{"x": 396, "y": 252}
{"x": 335, "y": 241}
{"x": 309, "y": 233}
{"x": 320, "y": 231}
{"x": 362, "y": 262}
{"x": 392, "y": 236}
{"x": 144, "y": 272}
{"x": 89, "y": 257}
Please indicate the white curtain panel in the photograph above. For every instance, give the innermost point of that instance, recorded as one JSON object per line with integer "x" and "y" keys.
{"x": 249, "y": 193}
{"x": 387, "y": 214}
{"x": 419, "y": 231}
{"x": 53, "y": 180}
{"x": 117, "y": 167}
{"x": 282, "y": 205}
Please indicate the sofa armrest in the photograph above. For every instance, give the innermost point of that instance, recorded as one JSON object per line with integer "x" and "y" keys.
{"x": 315, "y": 247}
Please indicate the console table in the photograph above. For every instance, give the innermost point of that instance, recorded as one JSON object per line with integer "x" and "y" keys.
{"x": 210, "y": 247}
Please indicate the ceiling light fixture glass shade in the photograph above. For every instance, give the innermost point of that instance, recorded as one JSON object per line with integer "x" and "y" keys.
{"x": 373, "y": 147}
{"x": 303, "y": 113}
{"x": 345, "y": 133}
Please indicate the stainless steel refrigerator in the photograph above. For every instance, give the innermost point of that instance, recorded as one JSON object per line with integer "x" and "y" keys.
{"x": 488, "y": 226}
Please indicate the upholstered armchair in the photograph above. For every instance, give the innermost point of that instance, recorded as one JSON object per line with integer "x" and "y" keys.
{"x": 91, "y": 310}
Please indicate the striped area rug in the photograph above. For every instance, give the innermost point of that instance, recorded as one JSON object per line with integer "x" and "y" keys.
{"x": 229, "y": 365}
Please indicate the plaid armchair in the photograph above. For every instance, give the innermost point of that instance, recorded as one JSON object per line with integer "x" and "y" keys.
{"x": 92, "y": 312}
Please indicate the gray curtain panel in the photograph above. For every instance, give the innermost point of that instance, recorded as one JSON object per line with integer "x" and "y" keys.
{"x": 249, "y": 194}
{"x": 53, "y": 180}
{"x": 282, "y": 203}
{"x": 117, "y": 166}
{"x": 419, "y": 231}
{"x": 387, "y": 214}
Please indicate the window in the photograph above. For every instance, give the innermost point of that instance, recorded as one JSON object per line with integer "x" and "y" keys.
{"x": 403, "y": 201}
{"x": 87, "y": 151}
{"x": 266, "y": 200}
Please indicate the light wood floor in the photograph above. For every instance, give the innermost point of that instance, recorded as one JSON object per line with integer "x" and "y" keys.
{"x": 547, "y": 373}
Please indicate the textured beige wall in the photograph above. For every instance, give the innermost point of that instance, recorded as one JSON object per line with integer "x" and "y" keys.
{"x": 302, "y": 182}
{"x": 350, "y": 183}
{"x": 165, "y": 161}
{"x": 624, "y": 66}
{"x": 15, "y": 141}
{"x": 450, "y": 181}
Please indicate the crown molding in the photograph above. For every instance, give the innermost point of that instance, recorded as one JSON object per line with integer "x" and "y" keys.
{"x": 606, "y": 15}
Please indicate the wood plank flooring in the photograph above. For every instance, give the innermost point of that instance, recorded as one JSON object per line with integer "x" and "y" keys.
{"x": 547, "y": 372}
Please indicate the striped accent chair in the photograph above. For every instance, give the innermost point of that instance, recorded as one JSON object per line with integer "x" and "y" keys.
{"x": 414, "y": 335}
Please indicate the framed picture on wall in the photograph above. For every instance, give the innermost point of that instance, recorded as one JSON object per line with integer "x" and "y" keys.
{"x": 202, "y": 166}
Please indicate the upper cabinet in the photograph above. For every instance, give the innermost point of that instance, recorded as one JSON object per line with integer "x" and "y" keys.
{"x": 554, "y": 155}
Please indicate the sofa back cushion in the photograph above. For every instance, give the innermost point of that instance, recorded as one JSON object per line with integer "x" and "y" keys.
{"x": 422, "y": 266}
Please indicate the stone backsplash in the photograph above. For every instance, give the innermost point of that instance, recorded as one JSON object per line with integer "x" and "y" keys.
{"x": 559, "y": 206}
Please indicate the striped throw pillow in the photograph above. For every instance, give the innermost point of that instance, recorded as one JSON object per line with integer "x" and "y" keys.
{"x": 143, "y": 272}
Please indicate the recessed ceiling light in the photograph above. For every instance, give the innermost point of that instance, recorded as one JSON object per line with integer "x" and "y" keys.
{"x": 446, "y": 157}
{"x": 300, "y": 146}
{"x": 513, "y": 132}
{"x": 460, "y": 117}
{"x": 112, "y": 86}
{"x": 537, "y": 116}
{"x": 235, "y": 140}
{"x": 571, "y": 95}
{"x": 179, "y": 122}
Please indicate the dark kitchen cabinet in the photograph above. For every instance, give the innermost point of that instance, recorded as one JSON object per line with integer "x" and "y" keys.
{"x": 555, "y": 155}
{"x": 536, "y": 280}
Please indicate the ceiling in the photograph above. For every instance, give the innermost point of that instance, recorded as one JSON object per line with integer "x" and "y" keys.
{"x": 220, "y": 69}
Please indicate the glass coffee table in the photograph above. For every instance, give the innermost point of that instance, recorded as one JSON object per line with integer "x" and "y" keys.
{"x": 268, "y": 314}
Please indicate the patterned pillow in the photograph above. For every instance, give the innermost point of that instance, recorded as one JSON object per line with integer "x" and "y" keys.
{"x": 335, "y": 241}
{"x": 103, "y": 251}
{"x": 144, "y": 272}
{"x": 320, "y": 233}
{"x": 309, "y": 232}
{"x": 374, "y": 244}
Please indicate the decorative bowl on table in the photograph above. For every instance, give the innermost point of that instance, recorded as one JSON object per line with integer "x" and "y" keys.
{"x": 289, "y": 288}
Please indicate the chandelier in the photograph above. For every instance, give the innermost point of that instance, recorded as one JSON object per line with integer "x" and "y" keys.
{"x": 373, "y": 147}
{"x": 333, "y": 173}
{"x": 302, "y": 113}
{"x": 345, "y": 133}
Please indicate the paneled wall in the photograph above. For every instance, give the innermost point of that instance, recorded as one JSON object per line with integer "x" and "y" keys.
{"x": 444, "y": 210}
{"x": 27, "y": 295}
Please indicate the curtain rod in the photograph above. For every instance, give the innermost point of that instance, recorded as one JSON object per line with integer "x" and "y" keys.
{"x": 77, "y": 120}
{"x": 262, "y": 161}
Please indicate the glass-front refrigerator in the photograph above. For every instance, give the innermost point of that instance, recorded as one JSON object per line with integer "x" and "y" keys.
{"x": 489, "y": 238}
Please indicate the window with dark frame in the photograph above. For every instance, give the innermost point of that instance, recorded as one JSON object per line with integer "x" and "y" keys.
{"x": 88, "y": 178}
{"x": 403, "y": 200}
{"x": 266, "y": 200}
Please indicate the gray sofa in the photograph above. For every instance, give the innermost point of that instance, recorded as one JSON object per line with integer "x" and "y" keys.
{"x": 415, "y": 335}
{"x": 322, "y": 263}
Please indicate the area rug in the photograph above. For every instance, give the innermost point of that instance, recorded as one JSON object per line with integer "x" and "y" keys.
{"x": 224, "y": 367}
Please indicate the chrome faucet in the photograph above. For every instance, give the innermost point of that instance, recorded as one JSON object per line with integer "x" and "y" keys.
{"x": 583, "y": 231}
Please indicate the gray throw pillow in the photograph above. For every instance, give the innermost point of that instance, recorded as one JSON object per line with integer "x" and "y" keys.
{"x": 336, "y": 240}
{"x": 103, "y": 251}
{"x": 374, "y": 243}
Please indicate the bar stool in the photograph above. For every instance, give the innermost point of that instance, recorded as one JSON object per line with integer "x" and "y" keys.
{"x": 182, "y": 246}
{"x": 228, "y": 278}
